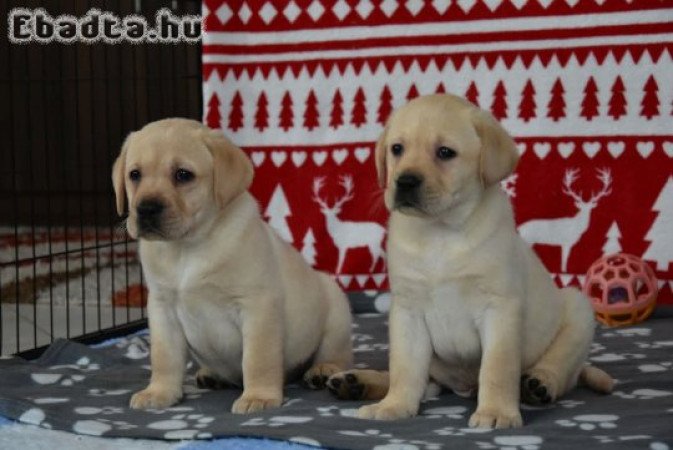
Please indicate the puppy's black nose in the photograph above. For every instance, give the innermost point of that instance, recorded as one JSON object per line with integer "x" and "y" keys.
{"x": 408, "y": 181}
{"x": 149, "y": 208}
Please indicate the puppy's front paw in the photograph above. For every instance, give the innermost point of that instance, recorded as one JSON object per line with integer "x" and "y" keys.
{"x": 386, "y": 411}
{"x": 251, "y": 403}
{"x": 155, "y": 398}
{"x": 493, "y": 418}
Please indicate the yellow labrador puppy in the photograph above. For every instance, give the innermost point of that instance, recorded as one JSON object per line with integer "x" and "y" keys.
{"x": 221, "y": 283}
{"x": 473, "y": 308}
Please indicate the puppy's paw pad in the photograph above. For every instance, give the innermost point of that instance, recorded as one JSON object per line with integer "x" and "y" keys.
{"x": 316, "y": 377}
{"x": 383, "y": 411}
{"x": 247, "y": 404}
{"x": 538, "y": 388}
{"x": 154, "y": 399}
{"x": 346, "y": 386}
{"x": 495, "y": 419}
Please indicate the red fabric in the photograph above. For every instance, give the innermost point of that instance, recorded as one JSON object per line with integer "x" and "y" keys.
{"x": 585, "y": 87}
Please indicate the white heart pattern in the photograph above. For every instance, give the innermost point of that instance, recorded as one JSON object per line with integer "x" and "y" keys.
{"x": 257, "y": 158}
{"x": 668, "y": 148}
{"x": 521, "y": 146}
{"x": 565, "y": 149}
{"x": 591, "y": 148}
{"x": 339, "y": 156}
{"x": 542, "y": 149}
{"x": 319, "y": 158}
{"x": 278, "y": 157}
{"x": 298, "y": 158}
{"x": 645, "y": 148}
{"x": 616, "y": 148}
{"x": 362, "y": 154}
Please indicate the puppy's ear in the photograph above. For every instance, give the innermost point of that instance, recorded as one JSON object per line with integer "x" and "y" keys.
{"x": 232, "y": 169}
{"x": 380, "y": 155}
{"x": 499, "y": 153}
{"x": 118, "y": 176}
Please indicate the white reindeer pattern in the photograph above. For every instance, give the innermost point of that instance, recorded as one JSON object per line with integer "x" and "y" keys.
{"x": 565, "y": 232}
{"x": 349, "y": 234}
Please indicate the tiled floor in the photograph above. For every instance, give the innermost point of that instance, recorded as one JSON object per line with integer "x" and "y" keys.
{"x": 37, "y": 324}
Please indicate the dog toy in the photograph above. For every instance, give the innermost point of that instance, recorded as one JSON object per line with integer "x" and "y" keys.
{"x": 622, "y": 289}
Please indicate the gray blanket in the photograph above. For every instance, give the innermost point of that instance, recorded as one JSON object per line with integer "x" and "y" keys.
{"x": 86, "y": 390}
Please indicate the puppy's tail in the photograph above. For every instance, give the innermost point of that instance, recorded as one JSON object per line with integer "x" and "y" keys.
{"x": 597, "y": 379}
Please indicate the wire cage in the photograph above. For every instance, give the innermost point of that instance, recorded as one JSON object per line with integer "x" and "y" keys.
{"x": 67, "y": 268}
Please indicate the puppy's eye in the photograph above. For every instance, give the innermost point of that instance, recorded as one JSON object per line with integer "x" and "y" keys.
{"x": 134, "y": 175}
{"x": 183, "y": 176}
{"x": 445, "y": 153}
{"x": 397, "y": 149}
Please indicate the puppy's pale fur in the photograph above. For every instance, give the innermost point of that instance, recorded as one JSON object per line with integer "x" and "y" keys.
{"x": 221, "y": 283}
{"x": 473, "y": 307}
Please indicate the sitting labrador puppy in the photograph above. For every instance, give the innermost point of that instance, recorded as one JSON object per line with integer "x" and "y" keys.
{"x": 221, "y": 282}
{"x": 473, "y": 308}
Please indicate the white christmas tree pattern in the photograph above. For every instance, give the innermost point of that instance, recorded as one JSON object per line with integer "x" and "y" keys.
{"x": 308, "y": 250}
{"x": 277, "y": 212}
{"x": 660, "y": 249}
{"x": 612, "y": 244}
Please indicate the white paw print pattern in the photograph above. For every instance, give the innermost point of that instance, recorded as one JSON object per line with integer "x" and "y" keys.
{"x": 184, "y": 426}
{"x": 172, "y": 409}
{"x": 305, "y": 441}
{"x": 450, "y": 412}
{"x": 513, "y": 443}
{"x": 49, "y": 400}
{"x": 97, "y": 427}
{"x": 192, "y": 392}
{"x": 457, "y": 431}
{"x": 56, "y": 378}
{"x": 84, "y": 364}
{"x": 643, "y": 394}
{"x": 612, "y": 357}
{"x": 105, "y": 410}
{"x": 277, "y": 421}
{"x": 34, "y": 416}
{"x": 332, "y": 410}
{"x": 370, "y": 348}
{"x": 569, "y": 404}
{"x": 658, "y": 367}
{"x": 359, "y": 337}
{"x": 628, "y": 332}
{"x": 136, "y": 348}
{"x": 655, "y": 344}
{"x": 393, "y": 442}
{"x": 95, "y": 392}
{"x": 604, "y": 439}
{"x": 590, "y": 422}
{"x": 596, "y": 347}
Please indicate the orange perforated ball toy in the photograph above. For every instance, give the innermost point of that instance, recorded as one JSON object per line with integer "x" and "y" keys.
{"x": 622, "y": 289}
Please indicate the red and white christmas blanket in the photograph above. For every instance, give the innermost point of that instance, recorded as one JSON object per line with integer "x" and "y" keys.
{"x": 585, "y": 87}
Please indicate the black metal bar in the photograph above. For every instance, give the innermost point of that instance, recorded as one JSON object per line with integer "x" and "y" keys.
{"x": 15, "y": 188}
{"x": 65, "y": 203}
{"x": 31, "y": 203}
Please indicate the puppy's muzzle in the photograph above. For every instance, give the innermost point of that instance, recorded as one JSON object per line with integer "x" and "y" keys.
{"x": 149, "y": 215}
{"x": 407, "y": 188}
